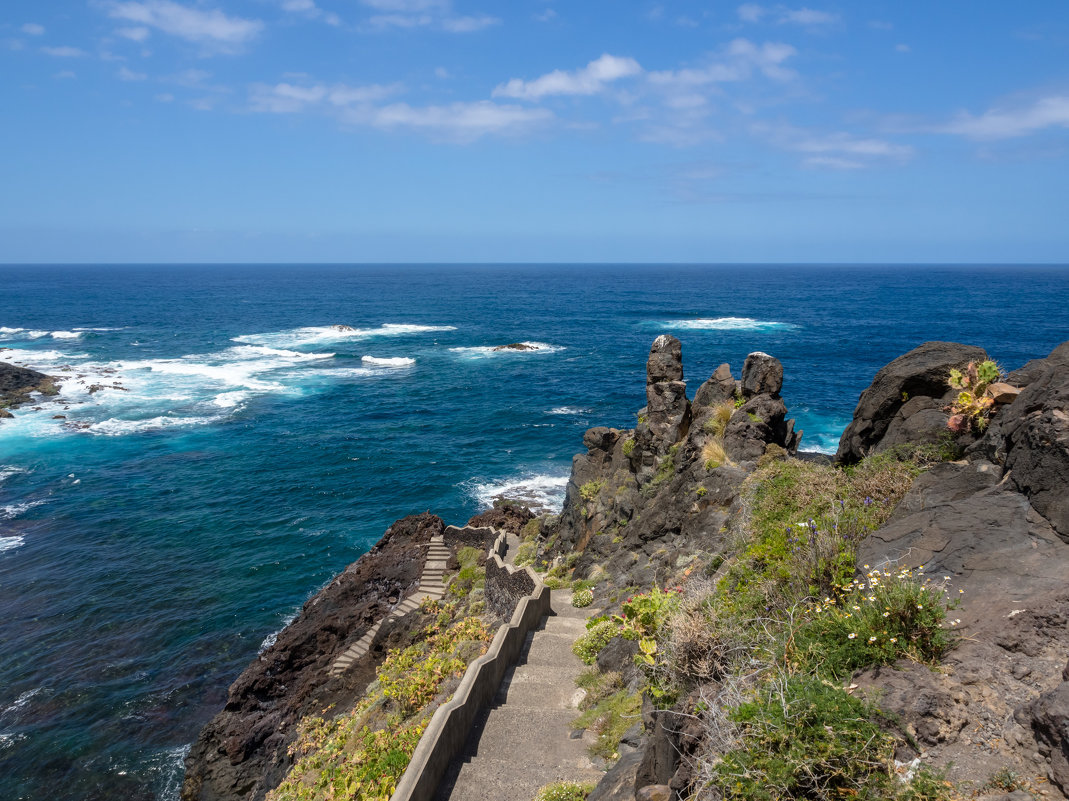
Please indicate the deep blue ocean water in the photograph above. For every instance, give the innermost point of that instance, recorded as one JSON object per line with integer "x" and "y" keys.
{"x": 153, "y": 540}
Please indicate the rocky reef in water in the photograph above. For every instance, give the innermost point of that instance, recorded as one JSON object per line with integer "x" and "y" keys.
{"x": 18, "y": 385}
{"x": 669, "y": 502}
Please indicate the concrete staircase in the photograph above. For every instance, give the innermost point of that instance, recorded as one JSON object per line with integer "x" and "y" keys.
{"x": 430, "y": 586}
{"x": 525, "y": 739}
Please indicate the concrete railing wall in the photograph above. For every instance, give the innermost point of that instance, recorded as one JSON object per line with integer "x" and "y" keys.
{"x": 451, "y": 724}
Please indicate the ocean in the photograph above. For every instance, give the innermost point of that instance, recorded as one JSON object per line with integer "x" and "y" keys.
{"x": 224, "y": 448}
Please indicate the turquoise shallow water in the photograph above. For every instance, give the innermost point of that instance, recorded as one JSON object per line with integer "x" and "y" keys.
{"x": 155, "y": 538}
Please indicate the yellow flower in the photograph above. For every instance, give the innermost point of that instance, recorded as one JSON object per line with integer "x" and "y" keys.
{"x": 920, "y": 606}
{"x": 894, "y": 639}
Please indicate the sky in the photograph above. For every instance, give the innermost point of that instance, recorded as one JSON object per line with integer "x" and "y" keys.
{"x": 533, "y": 131}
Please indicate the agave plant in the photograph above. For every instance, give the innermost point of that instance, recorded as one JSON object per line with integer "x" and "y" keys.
{"x": 971, "y": 410}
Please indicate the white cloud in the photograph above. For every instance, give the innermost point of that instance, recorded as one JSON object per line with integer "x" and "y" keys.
{"x": 203, "y": 26}
{"x": 1008, "y": 123}
{"x": 309, "y": 9}
{"x": 738, "y": 61}
{"x": 832, "y": 163}
{"x": 33, "y": 29}
{"x": 400, "y": 20}
{"x": 839, "y": 151}
{"x": 457, "y": 121}
{"x": 808, "y": 17}
{"x": 406, "y": 6}
{"x": 136, "y": 34}
{"x": 589, "y": 80}
{"x": 287, "y": 98}
{"x": 64, "y": 52}
{"x": 750, "y": 12}
{"x": 129, "y": 75}
{"x": 425, "y": 13}
{"x": 469, "y": 24}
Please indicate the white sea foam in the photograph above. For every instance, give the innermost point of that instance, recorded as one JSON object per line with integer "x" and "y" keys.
{"x": 21, "y": 701}
{"x": 397, "y": 361}
{"x": 272, "y": 638}
{"x": 7, "y": 471}
{"x": 13, "y": 510}
{"x": 7, "y": 739}
{"x": 66, "y": 334}
{"x": 726, "y": 324}
{"x": 568, "y": 410}
{"x": 228, "y": 400}
{"x": 540, "y": 491}
{"x": 314, "y": 335}
{"x": 115, "y": 427}
{"x": 87, "y": 328}
{"x": 485, "y": 351}
{"x": 22, "y": 334}
{"x": 10, "y": 543}
{"x": 31, "y": 357}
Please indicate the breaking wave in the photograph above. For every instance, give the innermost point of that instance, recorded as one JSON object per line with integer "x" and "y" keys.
{"x": 315, "y": 335}
{"x": 398, "y": 361}
{"x": 542, "y": 492}
{"x": 726, "y": 324}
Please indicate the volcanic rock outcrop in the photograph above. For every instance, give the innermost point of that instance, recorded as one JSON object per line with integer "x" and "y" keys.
{"x": 17, "y": 385}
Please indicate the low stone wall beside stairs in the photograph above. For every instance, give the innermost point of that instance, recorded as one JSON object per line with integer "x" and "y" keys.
{"x": 448, "y": 730}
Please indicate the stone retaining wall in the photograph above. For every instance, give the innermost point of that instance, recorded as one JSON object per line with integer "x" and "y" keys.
{"x": 481, "y": 538}
{"x": 451, "y": 724}
{"x": 505, "y": 584}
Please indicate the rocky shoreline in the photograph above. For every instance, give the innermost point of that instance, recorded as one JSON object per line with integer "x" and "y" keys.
{"x": 665, "y": 502}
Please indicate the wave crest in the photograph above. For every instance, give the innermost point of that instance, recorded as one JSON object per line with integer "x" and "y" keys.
{"x": 726, "y": 324}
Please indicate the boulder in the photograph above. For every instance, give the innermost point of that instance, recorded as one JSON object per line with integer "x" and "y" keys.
{"x": 754, "y": 425}
{"x": 1049, "y": 717}
{"x": 921, "y": 373}
{"x": 1002, "y": 393}
{"x": 720, "y": 388}
{"x": 665, "y": 362}
{"x": 1034, "y": 432}
{"x": 761, "y": 375}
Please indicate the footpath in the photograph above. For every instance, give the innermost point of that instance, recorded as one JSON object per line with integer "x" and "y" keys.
{"x": 430, "y": 586}
{"x": 525, "y": 739}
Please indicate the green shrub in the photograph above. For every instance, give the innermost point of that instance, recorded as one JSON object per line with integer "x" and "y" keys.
{"x": 608, "y": 710}
{"x": 629, "y": 447}
{"x": 564, "y": 791}
{"x": 803, "y": 738}
{"x": 971, "y": 409}
{"x": 589, "y": 491}
{"x": 582, "y": 598}
{"x": 875, "y": 621}
{"x": 599, "y": 632}
{"x": 526, "y": 553}
{"x": 555, "y": 582}
{"x": 531, "y": 530}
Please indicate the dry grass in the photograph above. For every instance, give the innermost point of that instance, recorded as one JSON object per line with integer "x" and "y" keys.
{"x": 714, "y": 455}
{"x": 719, "y": 420}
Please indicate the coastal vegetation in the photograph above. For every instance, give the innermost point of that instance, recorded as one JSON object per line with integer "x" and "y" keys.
{"x": 362, "y": 753}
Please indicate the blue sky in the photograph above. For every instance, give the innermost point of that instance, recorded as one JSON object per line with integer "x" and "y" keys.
{"x": 463, "y": 130}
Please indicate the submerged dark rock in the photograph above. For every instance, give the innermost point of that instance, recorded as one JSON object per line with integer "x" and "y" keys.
{"x": 516, "y": 346}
